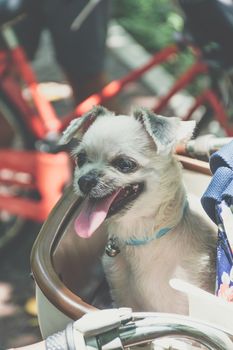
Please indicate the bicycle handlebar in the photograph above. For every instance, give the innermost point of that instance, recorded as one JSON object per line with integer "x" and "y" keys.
{"x": 118, "y": 328}
{"x": 203, "y": 145}
{"x": 156, "y": 326}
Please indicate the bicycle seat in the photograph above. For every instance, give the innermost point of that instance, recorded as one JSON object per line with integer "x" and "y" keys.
{"x": 210, "y": 23}
{"x": 11, "y": 9}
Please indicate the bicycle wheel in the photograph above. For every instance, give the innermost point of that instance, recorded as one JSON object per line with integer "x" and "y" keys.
{"x": 13, "y": 134}
{"x": 222, "y": 86}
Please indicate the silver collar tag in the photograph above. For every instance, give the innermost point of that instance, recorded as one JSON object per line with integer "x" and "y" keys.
{"x": 112, "y": 247}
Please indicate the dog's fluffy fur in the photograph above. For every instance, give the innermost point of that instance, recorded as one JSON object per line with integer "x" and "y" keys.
{"x": 139, "y": 275}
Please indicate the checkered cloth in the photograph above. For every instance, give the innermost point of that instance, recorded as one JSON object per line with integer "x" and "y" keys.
{"x": 218, "y": 204}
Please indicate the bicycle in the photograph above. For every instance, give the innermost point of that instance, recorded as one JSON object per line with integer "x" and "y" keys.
{"x": 26, "y": 193}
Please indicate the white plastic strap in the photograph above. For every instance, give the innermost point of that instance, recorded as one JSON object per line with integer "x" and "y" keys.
{"x": 96, "y": 322}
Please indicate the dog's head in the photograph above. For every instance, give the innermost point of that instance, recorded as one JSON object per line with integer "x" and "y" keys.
{"x": 120, "y": 160}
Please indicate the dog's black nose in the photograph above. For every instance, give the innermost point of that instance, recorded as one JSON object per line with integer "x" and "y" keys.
{"x": 87, "y": 182}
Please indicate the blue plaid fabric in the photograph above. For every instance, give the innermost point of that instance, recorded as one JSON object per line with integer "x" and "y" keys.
{"x": 218, "y": 200}
{"x": 224, "y": 268}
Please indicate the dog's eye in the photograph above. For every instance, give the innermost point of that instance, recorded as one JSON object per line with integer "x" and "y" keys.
{"x": 125, "y": 165}
{"x": 80, "y": 159}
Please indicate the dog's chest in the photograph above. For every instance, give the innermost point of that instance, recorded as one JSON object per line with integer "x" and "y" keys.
{"x": 139, "y": 277}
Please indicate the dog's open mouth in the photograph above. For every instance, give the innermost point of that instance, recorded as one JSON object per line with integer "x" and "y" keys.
{"x": 125, "y": 196}
{"x": 95, "y": 210}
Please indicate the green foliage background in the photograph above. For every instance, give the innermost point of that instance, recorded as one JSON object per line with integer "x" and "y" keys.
{"x": 153, "y": 24}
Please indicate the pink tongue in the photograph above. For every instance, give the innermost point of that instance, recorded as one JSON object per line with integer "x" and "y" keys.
{"x": 92, "y": 215}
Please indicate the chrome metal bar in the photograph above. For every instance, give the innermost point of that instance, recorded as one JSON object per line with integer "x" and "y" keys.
{"x": 154, "y": 326}
{"x": 205, "y": 145}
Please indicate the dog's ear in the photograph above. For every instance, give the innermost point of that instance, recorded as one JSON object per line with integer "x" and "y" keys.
{"x": 166, "y": 132}
{"x": 79, "y": 126}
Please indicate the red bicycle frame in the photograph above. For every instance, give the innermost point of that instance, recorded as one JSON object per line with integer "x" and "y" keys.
{"x": 48, "y": 173}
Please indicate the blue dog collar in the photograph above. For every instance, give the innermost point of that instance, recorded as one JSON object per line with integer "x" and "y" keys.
{"x": 158, "y": 234}
{"x": 145, "y": 240}
{"x": 112, "y": 248}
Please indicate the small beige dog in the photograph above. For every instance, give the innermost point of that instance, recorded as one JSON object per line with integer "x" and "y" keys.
{"x": 130, "y": 179}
